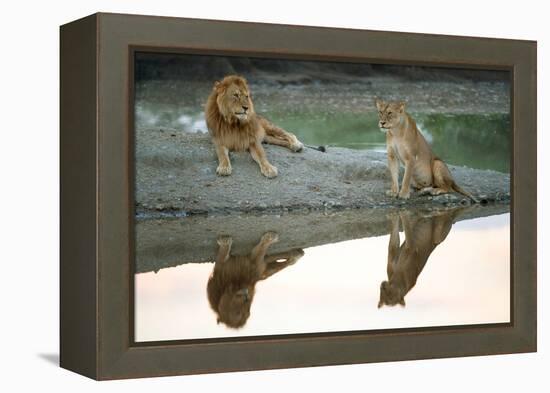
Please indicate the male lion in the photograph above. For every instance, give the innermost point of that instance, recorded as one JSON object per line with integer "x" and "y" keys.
{"x": 405, "y": 144}
{"x": 234, "y": 125}
{"x": 231, "y": 286}
{"x": 405, "y": 262}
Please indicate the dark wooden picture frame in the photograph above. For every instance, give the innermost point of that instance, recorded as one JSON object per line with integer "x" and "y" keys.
{"x": 97, "y": 209}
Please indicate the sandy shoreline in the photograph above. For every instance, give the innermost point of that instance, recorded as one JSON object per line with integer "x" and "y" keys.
{"x": 176, "y": 175}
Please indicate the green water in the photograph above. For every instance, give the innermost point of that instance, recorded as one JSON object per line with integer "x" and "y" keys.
{"x": 480, "y": 141}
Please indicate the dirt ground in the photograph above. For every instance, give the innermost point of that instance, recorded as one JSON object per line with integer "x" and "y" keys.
{"x": 176, "y": 176}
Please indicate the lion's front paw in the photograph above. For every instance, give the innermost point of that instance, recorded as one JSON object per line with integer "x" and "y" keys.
{"x": 224, "y": 170}
{"x": 269, "y": 171}
{"x": 224, "y": 240}
{"x": 391, "y": 193}
{"x": 270, "y": 237}
{"x": 405, "y": 194}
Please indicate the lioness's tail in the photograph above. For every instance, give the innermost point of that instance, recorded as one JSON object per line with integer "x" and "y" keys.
{"x": 458, "y": 189}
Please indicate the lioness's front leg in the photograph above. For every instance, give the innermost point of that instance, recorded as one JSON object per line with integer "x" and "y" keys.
{"x": 405, "y": 192}
{"x": 408, "y": 220}
{"x": 393, "y": 164}
{"x": 224, "y": 167}
{"x": 258, "y": 154}
{"x": 393, "y": 245}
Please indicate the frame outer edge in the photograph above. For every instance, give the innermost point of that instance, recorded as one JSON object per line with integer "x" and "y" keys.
{"x": 530, "y": 200}
{"x": 117, "y": 358}
{"x": 524, "y": 200}
{"x": 78, "y": 197}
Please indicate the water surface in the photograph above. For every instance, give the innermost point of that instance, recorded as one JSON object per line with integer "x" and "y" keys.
{"x": 475, "y": 140}
{"x": 464, "y": 279}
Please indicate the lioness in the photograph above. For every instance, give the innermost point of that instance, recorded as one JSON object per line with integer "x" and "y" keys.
{"x": 423, "y": 170}
{"x": 234, "y": 125}
{"x": 231, "y": 286}
{"x": 405, "y": 262}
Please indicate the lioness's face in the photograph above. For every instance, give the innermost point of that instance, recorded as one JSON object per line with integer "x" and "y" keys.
{"x": 234, "y": 102}
{"x": 389, "y": 114}
{"x": 390, "y": 295}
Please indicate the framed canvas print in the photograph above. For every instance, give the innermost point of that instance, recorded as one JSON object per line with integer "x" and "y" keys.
{"x": 242, "y": 196}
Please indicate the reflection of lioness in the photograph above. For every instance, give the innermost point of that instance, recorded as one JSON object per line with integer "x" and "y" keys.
{"x": 405, "y": 144}
{"x": 234, "y": 125}
{"x": 405, "y": 262}
{"x": 232, "y": 283}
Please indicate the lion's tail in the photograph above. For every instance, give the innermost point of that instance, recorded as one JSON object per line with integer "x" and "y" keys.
{"x": 460, "y": 190}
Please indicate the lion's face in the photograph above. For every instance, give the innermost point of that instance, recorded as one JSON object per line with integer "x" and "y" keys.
{"x": 389, "y": 114}
{"x": 390, "y": 295}
{"x": 233, "y": 99}
{"x": 234, "y": 306}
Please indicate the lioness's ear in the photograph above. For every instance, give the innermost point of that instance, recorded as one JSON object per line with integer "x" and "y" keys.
{"x": 401, "y": 106}
{"x": 379, "y": 104}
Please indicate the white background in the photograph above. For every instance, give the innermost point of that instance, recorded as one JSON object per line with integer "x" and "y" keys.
{"x": 29, "y": 193}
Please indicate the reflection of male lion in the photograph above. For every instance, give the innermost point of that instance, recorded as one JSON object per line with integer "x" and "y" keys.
{"x": 232, "y": 284}
{"x": 405, "y": 144}
{"x": 405, "y": 262}
{"x": 234, "y": 125}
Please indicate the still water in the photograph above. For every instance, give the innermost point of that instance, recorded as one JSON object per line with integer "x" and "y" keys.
{"x": 479, "y": 141}
{"x": 426, "y": 271}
